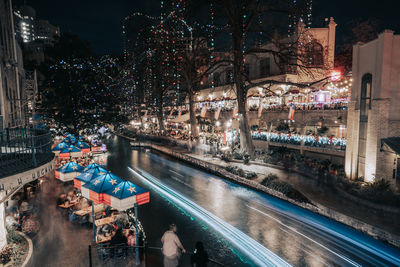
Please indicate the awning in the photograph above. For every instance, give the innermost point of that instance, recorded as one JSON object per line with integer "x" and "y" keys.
{"x": 182, "y": 118}
{"x": 393, "y": 143}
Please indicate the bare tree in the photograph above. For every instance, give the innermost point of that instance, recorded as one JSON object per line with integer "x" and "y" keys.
{"x": 242, "y": 19}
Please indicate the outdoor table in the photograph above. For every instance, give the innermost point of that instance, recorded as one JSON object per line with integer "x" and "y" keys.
{"x": 106, "y": 220}
{"x": 66, "y": 205}
{"x": 88, "y": 210}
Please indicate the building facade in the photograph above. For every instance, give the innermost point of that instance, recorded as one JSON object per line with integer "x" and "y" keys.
{"x": 12, "y": 75}
{"x": 32, "y": 31}
{"x": 374, "y": 113}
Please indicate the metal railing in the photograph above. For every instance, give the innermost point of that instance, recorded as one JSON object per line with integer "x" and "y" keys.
{"x": 22, "y": 149}
{"x": 124, "y": 255}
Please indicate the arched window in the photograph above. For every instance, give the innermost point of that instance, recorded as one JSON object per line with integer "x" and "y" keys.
{"x": 366, "y": 91}
{"x": 314, "y": 54}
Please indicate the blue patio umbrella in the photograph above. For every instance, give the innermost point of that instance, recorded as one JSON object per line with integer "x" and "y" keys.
{"x": 125, "y": 189}
{"x": 60, "y": 146}
{"x": 70, "y": 151}
{"x": 88, "y": 176}
{"x": 95, "y": 166}
{"x": 95, "y": 188}
{"x": 81, "y": 145}
{"x": 68, "y": 171}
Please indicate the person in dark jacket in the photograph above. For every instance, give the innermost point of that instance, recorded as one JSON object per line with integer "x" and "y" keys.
{"x": 199, "y": 257}
{"x": 118, "y": 238}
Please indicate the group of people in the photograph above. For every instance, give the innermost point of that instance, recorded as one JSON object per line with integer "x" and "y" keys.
{"x": 119, "y": 234}
{"x": 172, "y": 249}
{"x": 309, "y": 106}
{"x": 21, "y": 215}
{"x": 296, "y": 139}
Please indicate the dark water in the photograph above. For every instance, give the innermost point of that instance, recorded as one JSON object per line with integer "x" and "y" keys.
{"x": 299, "y": 237}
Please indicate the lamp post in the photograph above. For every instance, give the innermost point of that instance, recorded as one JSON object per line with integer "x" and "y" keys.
{"x": 137, "y": 235}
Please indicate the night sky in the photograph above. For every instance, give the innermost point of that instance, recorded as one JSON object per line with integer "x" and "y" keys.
{"x": 99, "y": 21}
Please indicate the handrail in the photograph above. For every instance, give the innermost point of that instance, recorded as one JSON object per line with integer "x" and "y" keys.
{"x": 22, "y": 149}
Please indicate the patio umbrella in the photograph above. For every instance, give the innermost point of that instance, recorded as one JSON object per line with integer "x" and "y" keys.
{"x": 85, "y": 148}
{"x": 94, "y": 165}
{"x": 94, "y": 190}
{"x": 88, "y": 175}
{"x": 58, "y": 148}
{"x": 73, "y": 140}
{"x": 125, "y": 195}
{"x": 70, "y": 151}
{"x": 68, "y": 171}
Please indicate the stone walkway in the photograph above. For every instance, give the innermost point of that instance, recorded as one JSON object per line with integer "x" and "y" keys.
{"x": 61, "y": 243}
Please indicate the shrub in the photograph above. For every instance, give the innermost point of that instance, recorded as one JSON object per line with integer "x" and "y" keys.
{"x": 5, "y": 254}
{"x": 271, "y": 181}
{"x": 240, "y": 172}
{"x": 226, "y": 157}
{"x": 268, "y": 180}
{"x": 13, "y": 236}
{"x": 250, "y": 175}
{"x": 237, "y": 154}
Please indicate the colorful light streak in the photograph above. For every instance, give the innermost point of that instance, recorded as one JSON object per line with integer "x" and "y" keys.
{"x": 254, "y": 250}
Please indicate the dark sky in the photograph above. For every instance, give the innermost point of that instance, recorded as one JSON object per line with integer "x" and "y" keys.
{"x": 99, "y": 21}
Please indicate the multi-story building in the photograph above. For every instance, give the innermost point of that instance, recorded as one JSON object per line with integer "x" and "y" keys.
{"x": 25, "y": 18}
{"x": 12, "y": 73}
{"x": 373, "y": 138}
{"x": 25, "y": 153}
{"x": 46, "y": 32}
{"x": 30, "y": 30}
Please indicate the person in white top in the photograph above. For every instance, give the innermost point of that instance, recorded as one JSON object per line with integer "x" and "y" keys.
{"x": 171, "y": 243}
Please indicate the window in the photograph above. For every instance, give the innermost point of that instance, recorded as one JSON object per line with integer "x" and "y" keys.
{"x": 314, "y": 54}
{"x": 365, "y": 99}
{"x": 265, "y": 67}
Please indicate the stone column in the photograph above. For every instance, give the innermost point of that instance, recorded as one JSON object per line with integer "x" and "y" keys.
{"x": 3, "y": 230}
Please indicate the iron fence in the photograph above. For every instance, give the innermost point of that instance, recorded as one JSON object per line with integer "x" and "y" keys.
{"x": 123, "y": 255}
{"x": 22, "y": 149}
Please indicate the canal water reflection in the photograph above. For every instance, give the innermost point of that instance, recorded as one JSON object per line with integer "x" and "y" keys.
{"x": 298, "y": 236}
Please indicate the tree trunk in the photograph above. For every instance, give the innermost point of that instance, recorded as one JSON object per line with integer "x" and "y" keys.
{"x": 160, "y": 117}
{"x": 192, "y": 113}
{"x": 246, "y": 141}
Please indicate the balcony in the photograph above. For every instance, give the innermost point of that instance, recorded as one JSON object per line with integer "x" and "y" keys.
{"x": 23, "y": 149}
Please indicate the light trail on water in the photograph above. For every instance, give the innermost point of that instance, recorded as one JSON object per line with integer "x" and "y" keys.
{"x": 259, "y": 254}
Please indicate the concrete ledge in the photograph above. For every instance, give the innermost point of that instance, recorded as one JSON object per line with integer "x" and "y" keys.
{"x": 30, "y": 249}
{"x": 359, "y": 200}
{"x": 16, "y": 180}
{"x": 366, "y": 228}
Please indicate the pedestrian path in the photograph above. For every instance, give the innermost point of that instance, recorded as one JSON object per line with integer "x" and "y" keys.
{"x": 60, "y": 243}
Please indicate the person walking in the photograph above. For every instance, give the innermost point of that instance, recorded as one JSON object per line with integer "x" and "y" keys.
{"x": 171, "y": 243}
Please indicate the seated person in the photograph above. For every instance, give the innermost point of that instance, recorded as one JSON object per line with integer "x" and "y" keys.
{"x": 131, "y": 238}
{"x": 118, "y": 238}
{"x": 61, "y": 199}
{"x": 105, "y": 230}
{"x": 11, "y": 221}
